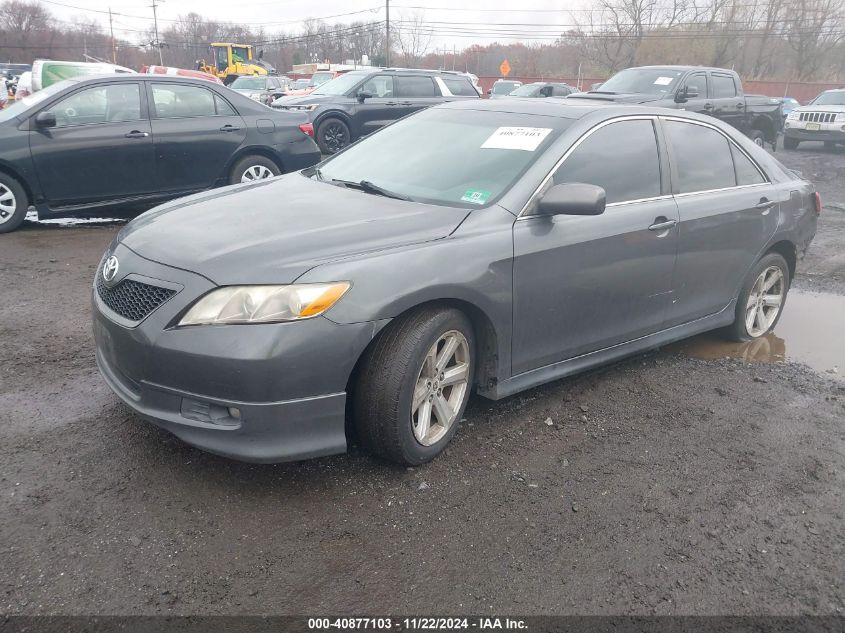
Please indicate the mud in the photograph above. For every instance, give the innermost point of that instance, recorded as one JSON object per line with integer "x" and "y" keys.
{"x": 664, "y": 484}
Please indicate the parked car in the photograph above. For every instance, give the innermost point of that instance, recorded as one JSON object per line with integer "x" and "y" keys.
{"x": 361, "y": 101}
{"x": 264, "y": 89}
{"x": 823, "y": 119}
{"x": 298, "y": 84}
{"x": 502, "y": 88}
{"x": 476, "y": 245}
{"x": 789, "y": 104}
{"x": 317, "y": 79}
{"x": 716, "y": 92}
{"x": 542, "y": 89}
{"x": 130, "y": 141}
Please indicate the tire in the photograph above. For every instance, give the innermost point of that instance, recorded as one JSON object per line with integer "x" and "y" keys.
{"x": 391, "y": 372}
{"x": 14, "y": 203}
{"x": 252, "y": 168}
{"x": 333, "y": 135}
{"x": 758, "y": 138}
{"x": 790, "y": 143}
{"x": 767, "y": 269}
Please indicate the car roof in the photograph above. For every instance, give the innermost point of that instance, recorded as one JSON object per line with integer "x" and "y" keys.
{"x": 117, "y": 77}
{"x": 682, "y": 68}
{"x": 566, "y": 108}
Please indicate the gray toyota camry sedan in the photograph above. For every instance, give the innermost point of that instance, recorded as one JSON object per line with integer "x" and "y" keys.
{"x": 485, "y": 246}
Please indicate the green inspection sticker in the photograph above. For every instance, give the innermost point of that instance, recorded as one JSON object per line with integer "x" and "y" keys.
{"x": 475, "y": 196}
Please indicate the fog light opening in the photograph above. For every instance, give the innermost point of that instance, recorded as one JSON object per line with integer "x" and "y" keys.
{"x": 234, "y": 412}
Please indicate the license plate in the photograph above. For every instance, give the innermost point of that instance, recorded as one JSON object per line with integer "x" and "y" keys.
{"x": 813, "y": 126}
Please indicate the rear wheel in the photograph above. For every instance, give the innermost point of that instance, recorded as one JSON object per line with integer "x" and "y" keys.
{"x": 333, "y": 135}
{"x": 414, "y": 384}
{"x": 761, "y": 300}
{"x": 252, "y": 168}
{"x": 13, "y": 203}
{"x": 790, "y": 143}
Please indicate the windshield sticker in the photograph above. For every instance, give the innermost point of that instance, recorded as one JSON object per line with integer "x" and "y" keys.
{"x": 523, "y": 138}
{"x": 663, "y": 81}
{"x": 475, "y": 196}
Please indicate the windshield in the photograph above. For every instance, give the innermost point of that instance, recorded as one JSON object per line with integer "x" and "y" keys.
{"x": 340, "y": 85}
{"x": 649, "y": 81}
{"x": 504, "y": 87}
{"x": 528, "y": 90}
{"x": 22, "y": 105}
{"x": 318, "y": 79}
{"x": 457, "y": 158}
{"x": 249, "y": 83}
{"x": 836, "y": 97}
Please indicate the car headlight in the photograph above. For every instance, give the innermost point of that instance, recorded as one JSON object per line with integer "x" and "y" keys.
{"x": 840, "y": 117}
{"x": 792, "y": 115}
{"x": 264, "y": 304}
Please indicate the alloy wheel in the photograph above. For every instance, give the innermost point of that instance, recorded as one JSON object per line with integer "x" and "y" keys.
{"x": 334, "y": 137}
{"x": 765, "y": 301}
{"x": 441, "y": 387}
{"x": 8, "y": 203}
{"x": 256, "y": 172}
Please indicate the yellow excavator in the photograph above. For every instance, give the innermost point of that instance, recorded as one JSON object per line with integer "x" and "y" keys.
{"x": 234, "y": 60}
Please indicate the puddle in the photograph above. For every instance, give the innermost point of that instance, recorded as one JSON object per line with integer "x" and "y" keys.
{"x": 810, "y": 331}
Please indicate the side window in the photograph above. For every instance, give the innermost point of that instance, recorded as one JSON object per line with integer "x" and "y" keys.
{"x": 621, "y": 157}
{"x": 722, "y": 86}
{"x": 100, "y": 104}
{"x": 560, "y": 91}
{"x": 223, "y": 107}
{"x": 746, "y": 172}
{"x": 174, "y": 101}
{"x": 697, "y": 84}
{"x": 415, "y": 86}
{"x": 459, "y": 86}
{"x": 379, "y": 86}
{"x": 702, "y": 157}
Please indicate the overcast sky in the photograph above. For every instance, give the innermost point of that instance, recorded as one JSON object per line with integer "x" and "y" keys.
{"x": 474, "y": 23}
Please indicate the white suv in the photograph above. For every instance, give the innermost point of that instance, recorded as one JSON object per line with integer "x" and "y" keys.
{"x": 823, "y": 119}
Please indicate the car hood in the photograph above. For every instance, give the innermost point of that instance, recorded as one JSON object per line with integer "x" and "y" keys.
{"x": 819, "y": 108}
{"x": 274, "y": 231}
{"x": 618, "y": 98}
{"x": 305, "y": 99}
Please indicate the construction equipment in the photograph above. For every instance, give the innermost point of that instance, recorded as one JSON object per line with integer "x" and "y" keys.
{"x": 231, "y": 61}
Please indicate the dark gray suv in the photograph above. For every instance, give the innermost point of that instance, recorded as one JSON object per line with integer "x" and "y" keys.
{"x": 360, "y": 102}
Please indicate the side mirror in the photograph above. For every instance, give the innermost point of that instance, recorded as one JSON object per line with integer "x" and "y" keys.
{"x": 685, "y": 93}
{"x": 489, "y": 92}
{"x": 596, "y": 86}
{"x": 573, "y": 198}
{"x": 45, "y": 119}
{"x": 362, "y": 96}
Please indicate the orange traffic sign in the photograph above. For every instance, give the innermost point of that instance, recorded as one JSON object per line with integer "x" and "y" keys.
{"x": 505, "y": 68}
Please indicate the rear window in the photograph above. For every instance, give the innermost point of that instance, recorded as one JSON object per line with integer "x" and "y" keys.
{"x": 702, "y": 157}
{"x": 459, "y": 86}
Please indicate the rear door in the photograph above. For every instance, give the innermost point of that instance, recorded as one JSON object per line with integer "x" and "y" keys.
{"x": 583, "y": 283}
{"x": 728, "y": 102}
{"x": 100, "y": 149}
{"x": 728, "y": 212}
{"x": 417, "y": 92}
{"x": 195, "y": 131}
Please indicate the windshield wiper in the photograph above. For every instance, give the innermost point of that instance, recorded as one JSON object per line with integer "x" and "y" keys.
{"x": 367, "y": 186}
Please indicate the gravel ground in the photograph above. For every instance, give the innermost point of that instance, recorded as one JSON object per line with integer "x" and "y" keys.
{"x": 662, "y": 484}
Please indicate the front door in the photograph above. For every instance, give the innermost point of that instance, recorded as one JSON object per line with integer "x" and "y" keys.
{"x": 196, "y": 134}
{"x": 380, "y": 107}
{"x": 728, "y": 212}
{"x": 696, "y": 84}
{"x": 100, "y": 149}
{"x": 583, "y": 283}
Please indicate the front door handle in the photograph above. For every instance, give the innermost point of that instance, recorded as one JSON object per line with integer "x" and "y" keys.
{"x": 137, "y": 134}
{"x": 708, "y": 106}
{"x": 391, "y": 103}
{"x": 407, "y": 103}
{"x": 229, "y": 128}
{"x": 740, "y": 105}
{"x": 662, "y": 224}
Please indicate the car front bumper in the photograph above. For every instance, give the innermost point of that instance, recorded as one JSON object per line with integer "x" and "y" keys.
{"x": 830, "y": 132}
{"x": 260, "y": 393}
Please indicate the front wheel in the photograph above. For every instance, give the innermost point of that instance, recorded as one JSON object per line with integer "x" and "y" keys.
{"x": 252, "y": 168}
{"x": 413, "y": 385}
{"x": 332, "y": 136}
{"x": 758, "y": 138}
{"x": 761, "y": 300}
{"x": 790, "y": 143}
{"x": 13, "y": 203}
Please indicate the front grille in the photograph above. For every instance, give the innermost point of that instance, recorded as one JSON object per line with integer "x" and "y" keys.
{"x": 130, "y": 299}
{"x": 818, "y": 117}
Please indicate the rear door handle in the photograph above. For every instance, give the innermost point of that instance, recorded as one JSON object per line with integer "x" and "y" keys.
{"x": 764, "y": 204}
{"x": 391, "y": 103}
{"x": 662, "y": 225}
{"x": 708, "y": 106}
{"x": 740, "y": 105}
{"x": 406, "y": 103}
{"x": 229, "y": 128}
{"x": 137, "y": 134}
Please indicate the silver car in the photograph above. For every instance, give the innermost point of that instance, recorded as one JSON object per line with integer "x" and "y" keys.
{"x": 485, "y": 246}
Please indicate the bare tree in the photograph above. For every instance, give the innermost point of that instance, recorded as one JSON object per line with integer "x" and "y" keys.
{"x": 414, "y": 38}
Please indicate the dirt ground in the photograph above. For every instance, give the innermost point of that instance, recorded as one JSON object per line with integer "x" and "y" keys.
{"x": 662, "y": 484}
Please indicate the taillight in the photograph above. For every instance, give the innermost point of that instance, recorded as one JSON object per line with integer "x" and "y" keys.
{"x": 817, "y": 200}
{"x": 307, "y": 128}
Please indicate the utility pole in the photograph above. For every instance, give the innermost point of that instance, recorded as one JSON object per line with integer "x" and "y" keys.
{"x": 113, "y": 49}
{"x": 155, "y": 26}
{"x": 387, "y": 33}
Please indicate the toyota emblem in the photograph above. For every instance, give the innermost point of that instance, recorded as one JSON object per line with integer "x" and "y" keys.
{"x": 110, "y": 268}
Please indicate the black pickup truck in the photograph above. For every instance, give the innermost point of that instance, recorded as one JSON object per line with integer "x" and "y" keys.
{"x": 714, "y": 91}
